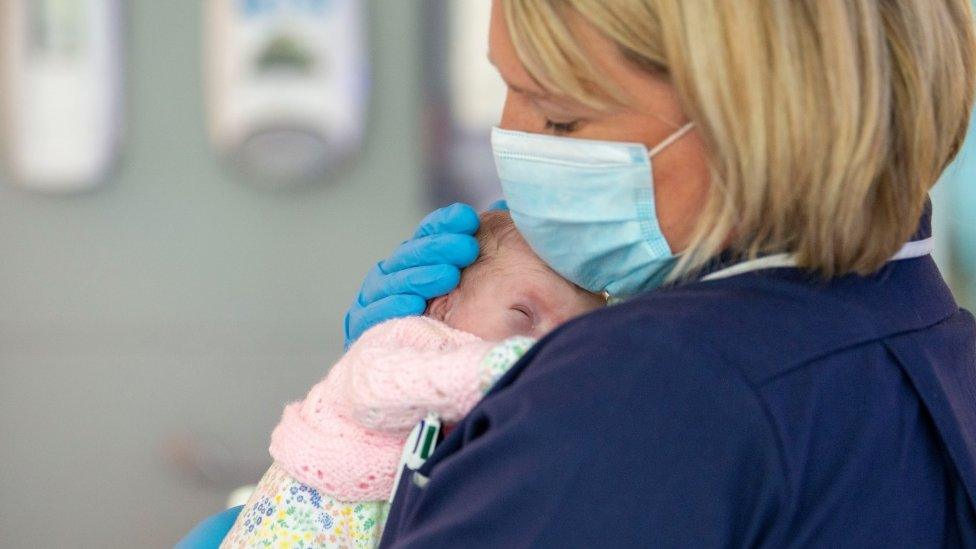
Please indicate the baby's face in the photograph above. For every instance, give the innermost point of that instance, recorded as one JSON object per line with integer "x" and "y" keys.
{"x": 512, "y": 293}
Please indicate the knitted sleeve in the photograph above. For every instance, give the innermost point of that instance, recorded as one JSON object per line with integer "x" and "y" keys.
{"x": 391, "y": 390}
{"x": 345, "y": 438}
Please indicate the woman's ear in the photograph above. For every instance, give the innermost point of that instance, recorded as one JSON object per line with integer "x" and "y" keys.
{"x": 438, "y": 307}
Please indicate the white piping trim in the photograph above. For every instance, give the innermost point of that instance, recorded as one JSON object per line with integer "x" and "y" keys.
{"x": 915, "y": 248}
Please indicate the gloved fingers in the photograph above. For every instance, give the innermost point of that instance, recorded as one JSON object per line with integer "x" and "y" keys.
{"x": 361, "y": 318}
{"x": 456, "y": 218}
{"x": 498, "y": 205}
{"x": 455, "y": 249}
{"x": 419, "y": 269}
{"x": 425, "y": 281}
{"x": 211, "y": 531}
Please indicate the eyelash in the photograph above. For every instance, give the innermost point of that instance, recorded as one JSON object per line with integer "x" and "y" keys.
{"x": 561, "y": 127}
{"x": 524, "y": 312}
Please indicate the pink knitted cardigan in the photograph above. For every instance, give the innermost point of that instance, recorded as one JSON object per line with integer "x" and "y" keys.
{"x": 346, "y": 437}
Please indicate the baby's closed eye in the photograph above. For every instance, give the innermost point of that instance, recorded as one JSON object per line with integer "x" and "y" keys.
{"x": 521, "y": 319}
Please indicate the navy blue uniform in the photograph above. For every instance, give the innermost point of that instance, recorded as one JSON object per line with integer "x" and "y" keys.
{"x": 767, "y": 409}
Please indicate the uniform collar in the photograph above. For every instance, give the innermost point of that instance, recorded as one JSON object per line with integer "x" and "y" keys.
{"x": 902, "y": 296}
{"x": 728, "y": 259}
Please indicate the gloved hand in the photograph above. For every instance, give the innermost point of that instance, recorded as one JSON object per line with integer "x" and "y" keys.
{"x": 424, "y": 267}
{"x": 211, "y": 531}
{"x": 499, "y": 205}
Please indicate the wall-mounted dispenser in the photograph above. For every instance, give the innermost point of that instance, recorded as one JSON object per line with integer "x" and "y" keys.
{"x": 60, "y": 91}
{"x": 287, "y": 85}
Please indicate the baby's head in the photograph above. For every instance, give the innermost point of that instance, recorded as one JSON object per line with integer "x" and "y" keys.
{"x": 509, "y": 291}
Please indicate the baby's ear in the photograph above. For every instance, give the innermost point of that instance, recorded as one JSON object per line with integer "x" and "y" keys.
{"x": 438, "y": 307}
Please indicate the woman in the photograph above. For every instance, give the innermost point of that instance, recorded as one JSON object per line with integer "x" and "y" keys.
{"x": 786, "y": 366}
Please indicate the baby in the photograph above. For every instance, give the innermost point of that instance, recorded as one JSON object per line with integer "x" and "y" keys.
{"x": 337, "y": 453}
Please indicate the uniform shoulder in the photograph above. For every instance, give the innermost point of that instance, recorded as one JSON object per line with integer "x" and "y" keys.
{"x": 668, "y": 321}
{"x": 661, "y": 403}
{"x": 753, "y": 331}
{"x": 667, "y": 334}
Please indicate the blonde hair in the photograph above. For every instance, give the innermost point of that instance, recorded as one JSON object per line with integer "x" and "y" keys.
{"x": 826, "y": 122}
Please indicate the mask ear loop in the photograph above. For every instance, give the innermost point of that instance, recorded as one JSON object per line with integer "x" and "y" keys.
{"x": 671, "y": 139}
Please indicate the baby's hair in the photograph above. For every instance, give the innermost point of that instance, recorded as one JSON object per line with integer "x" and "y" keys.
{"x": 496, "y": 227}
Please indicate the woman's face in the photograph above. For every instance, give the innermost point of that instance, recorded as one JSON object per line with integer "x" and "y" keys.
{"x": 680, "y": 172}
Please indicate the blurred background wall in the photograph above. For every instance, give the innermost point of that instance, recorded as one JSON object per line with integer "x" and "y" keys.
{"x": 177, "y": 308}
{"x": 151, "y": 330}
{"x": 954, "y": 199}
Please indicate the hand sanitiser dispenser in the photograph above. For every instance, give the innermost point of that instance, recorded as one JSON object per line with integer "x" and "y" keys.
{"x": 61, "y": 98}
{"x": 287, "y": 85}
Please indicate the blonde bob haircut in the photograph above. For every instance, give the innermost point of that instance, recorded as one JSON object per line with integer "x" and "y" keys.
{"x": 826, "y": 122}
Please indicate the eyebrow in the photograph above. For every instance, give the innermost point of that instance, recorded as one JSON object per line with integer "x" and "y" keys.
{"x": 513, "y": 87}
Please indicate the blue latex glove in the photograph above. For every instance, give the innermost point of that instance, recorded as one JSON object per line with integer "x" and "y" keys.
{"x": 500, "y": 205}
{"x": 211, "y": 530}
{"x": 426, "y": 266}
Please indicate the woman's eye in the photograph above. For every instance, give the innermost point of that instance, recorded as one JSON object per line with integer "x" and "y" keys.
{"x": 561, "y": 127}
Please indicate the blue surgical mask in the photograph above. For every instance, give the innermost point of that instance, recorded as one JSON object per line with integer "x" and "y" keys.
{"x": 587, "y": 208}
